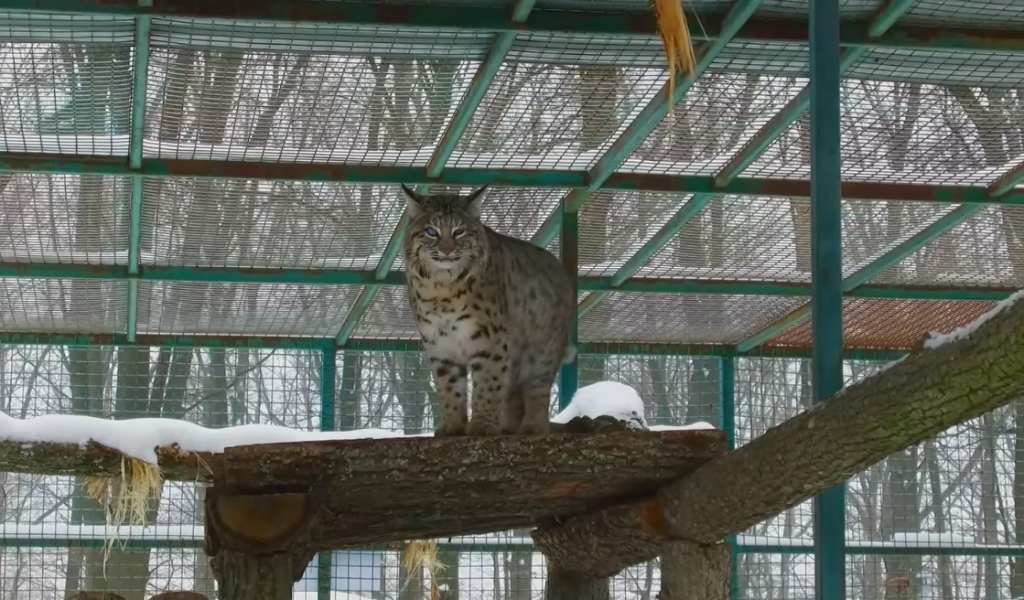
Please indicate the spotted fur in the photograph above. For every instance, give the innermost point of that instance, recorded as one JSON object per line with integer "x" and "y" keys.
{"x": 488, "y": 306}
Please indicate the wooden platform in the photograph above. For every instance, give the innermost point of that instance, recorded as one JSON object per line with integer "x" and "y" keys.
{"x": 377, "y": 491}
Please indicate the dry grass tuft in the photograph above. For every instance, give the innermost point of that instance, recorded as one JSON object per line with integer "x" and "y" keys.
{"x": 419, "y": 555}
{"x": 675, "y": 35}
{"x": 127, "y": 498}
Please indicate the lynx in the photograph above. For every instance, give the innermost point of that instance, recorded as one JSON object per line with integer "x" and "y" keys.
{"x": 490, "y": 306}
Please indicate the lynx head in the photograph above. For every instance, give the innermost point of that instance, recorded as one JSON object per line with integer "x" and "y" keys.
{"x": 445, "y": 231}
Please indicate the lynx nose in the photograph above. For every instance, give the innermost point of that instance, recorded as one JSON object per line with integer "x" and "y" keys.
{"x": 446, "y": 250}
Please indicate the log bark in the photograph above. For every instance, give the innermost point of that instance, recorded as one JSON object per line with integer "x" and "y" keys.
{"x": 915, "y": 399}
{"x": 378, "y": 491}
{"x": 694, "y": 572}
{"x": 565, "y": 585}
{"x": 259, "y": 546}
{"x": 243, "y": 576}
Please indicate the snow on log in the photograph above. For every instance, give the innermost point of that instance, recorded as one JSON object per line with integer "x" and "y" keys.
{"x": 967, "y": 373}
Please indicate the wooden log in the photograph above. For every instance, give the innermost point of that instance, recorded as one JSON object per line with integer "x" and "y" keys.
{"x": 693, "y": 572}
{"x": 378, "y": 491}
{"x": 913, "y": 400}
{"x": 259, "y": 546}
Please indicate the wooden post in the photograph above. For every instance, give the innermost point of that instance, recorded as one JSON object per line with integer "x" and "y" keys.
{"x": 259, "y": 544}
{"x": 693, "y": 572}
{"x": 565, "y": 585}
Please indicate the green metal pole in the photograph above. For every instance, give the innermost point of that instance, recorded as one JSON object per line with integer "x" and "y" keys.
{"x": 569, "y": 376}
{"x": 827, "y": 277}
{"x": 138, "y": 128}
{"x": 727, "y": 394}
{"x": 328, "y": 377}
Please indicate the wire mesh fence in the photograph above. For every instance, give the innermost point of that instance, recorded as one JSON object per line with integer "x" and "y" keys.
{"x": 919, "y": 515}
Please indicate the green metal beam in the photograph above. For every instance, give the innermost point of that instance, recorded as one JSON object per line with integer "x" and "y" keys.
{"x": 568, "y": 377}
{"x": 587, "y": 284}
{"x": 140, "y": 75}
{"x": 11, "y": 162}
{"x": 686, "y": 213}
{"x": 796, "y": 107}
{"x": 328, "y": 379}
{"x": 365, "y": 345}
{"x": 658, "y": 108}
{"x": 496, "y": 19}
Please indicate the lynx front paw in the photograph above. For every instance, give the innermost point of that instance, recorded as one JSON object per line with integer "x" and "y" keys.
{"x": 450, "y": 430}
{"x": 478, "y": 427}
{"x": 534, "y": 427}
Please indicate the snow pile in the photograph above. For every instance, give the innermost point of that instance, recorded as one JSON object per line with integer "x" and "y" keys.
{"x": 139, "y": 438}
{"x": 617, "y": 400}
{"x": 938, "y": 339}
{"x": 605, "y": 398}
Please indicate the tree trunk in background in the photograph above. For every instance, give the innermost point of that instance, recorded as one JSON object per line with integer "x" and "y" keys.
{"x": 347, "y": 399}
{"x": 658, "y": 373}
{"x": 939, "y": 513}
{"x": 900, "y": 514}
{"x": 1017, "y": 563}
{"x": 989, "y": 510}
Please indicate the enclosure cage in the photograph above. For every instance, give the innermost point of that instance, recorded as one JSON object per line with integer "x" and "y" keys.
{"x": 200, "y": 218}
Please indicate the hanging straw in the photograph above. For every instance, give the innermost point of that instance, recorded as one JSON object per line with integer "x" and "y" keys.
{"x": 675, "y": 34}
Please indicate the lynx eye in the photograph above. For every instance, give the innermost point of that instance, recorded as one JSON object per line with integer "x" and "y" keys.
{"x": 431, "y": 232}
{"x": 459, "y": 233}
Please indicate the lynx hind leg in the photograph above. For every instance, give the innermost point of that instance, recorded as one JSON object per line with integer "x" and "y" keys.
{"x": 490, "y": 392}
{"x": 512, "y": 413}
{"x": 536, "y": 407}
{"x": 450, "y": 381}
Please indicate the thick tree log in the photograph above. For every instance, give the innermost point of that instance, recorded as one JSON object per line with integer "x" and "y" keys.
{"x": 425, "y": 488}
{"x": 694, "y": 572}
{"x": 254, "y": 554}
{"x": 915, "y": 399}
{"x": 378, "y": 491}
{"x": 96, "y": 459}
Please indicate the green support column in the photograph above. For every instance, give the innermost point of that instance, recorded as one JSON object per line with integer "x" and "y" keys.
{"x": 827, "y": 278}
{"x": 569, "y": 376}
{"x": 328, "y": 375}
{"x": 138, "y": 127}
{"x": 727, "y": 393}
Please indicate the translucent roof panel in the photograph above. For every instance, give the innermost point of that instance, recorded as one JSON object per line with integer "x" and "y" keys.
{"x": 906, "y": 133}
{"x": 614, "y": 225}
{"x": 60, "y": 101}
{"x": 267, "y": 224}
{"x": 70, "y": 219}
{"x": 63, "y": 305}
{"x": 660, "y": 318}
{"x": 290, "y": 93}
{"x": 768, "y": 239}
{"x": 559, "y": 101}
{"x": 174, "y": 308}
{"x": 987, "y": 249}
{"x": 973, "y": 13}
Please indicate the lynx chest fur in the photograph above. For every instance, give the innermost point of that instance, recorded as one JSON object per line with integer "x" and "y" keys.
{"x": 489, "y": 308}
